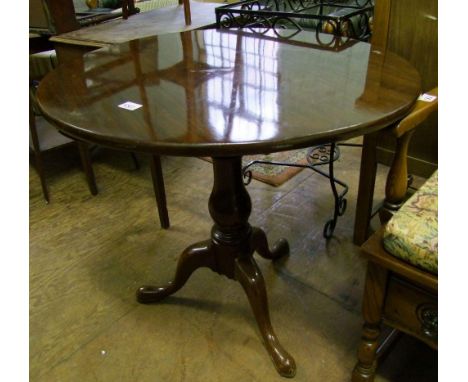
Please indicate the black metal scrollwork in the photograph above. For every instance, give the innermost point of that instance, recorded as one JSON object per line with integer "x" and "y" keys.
{"x": 328, "y": 154}
{"x": 339, "y": 18}
{"x": 316, "y": 156}
{"x": 247, "y": 174}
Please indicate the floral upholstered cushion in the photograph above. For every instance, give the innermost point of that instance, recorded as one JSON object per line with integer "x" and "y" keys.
{"x": 412, "y": 233}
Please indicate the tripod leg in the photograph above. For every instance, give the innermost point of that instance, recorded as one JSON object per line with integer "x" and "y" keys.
{"x": 259, "y": 244}
{"x": 196, "y": 256}
{"x": 249, "y": 276}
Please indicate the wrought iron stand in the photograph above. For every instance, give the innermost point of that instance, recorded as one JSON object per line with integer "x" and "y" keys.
{"x": 350, "y": 18}
{"x": 317, "y": 156}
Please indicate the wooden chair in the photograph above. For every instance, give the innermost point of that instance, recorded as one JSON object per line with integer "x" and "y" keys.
{"x": 44, "y": 136}
{"x": 54, "y": 17}
{"x": 398, "y": 180}
{"x": 49, "y": 17}
{"x": 129, "y": 8}
{"x": 401, "y": 284}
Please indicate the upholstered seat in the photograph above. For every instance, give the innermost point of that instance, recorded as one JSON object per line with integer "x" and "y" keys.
{"x": 412, "y": 234}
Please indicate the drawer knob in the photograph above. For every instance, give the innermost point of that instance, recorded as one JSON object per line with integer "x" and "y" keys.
{"x": 427, "y": 315}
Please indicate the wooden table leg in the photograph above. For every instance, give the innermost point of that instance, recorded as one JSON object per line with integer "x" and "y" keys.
{"x": 159, "y": 190}
{"x": 365, "y": 195}
{"x": 249, "y": 275}
{"x": 194, "y": 257}
{"x": 229, "y": 252}
{"x": 85, "y": 157}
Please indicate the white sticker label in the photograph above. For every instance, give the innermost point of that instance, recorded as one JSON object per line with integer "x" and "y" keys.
{"x": 130, "y": 106}
{"x": 427, "y": 97}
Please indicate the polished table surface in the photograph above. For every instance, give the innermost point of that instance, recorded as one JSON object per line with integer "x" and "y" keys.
{"x": 225, "y": 94}
{"x": 220, "y": 93}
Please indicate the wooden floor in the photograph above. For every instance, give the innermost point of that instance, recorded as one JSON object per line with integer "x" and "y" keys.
{"x": 89, "y": 254}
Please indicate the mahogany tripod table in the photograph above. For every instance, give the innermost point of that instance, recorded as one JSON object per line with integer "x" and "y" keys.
{"x": 226, "y": 94}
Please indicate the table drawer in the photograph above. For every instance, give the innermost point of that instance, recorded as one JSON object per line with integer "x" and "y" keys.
{"x": 412, "y": 310}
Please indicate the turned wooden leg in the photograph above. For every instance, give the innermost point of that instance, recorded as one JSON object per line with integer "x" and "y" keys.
{"x": 259, "y": 244}
{"x": 249, "y": 276}
{"x": 374, "y": 295}
{"x": 196, "y": 256}
{"x": 396, "y": 186}
{"x": 365, "y": 368}
{"x": 38, "y": 162}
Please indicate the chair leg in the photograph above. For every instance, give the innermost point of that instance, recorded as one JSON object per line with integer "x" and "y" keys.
{"x": 87, "y": 167}
{"x": 159, "y": 192}
{"x": 372, "y": 307}
{"x": 38, "y": 155}
{"x": 41, "y": 172}
{"x": 396, "y": 186}
{"x": 135, "y": 161}
{"x": 187, "y": 12}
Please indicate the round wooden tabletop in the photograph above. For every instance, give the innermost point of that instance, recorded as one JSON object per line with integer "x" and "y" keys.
{"x": 224, "y": 93}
